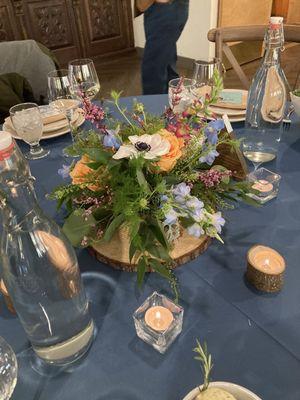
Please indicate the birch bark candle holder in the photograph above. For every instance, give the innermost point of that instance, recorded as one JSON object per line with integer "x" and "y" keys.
{"x": 265, "y": 268}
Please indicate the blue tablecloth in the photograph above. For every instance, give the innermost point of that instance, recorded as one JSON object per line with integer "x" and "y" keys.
{"x": 254, "y": 338}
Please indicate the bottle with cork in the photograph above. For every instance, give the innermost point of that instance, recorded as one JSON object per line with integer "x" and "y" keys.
{"x": 267, "y": 100}
{"x": 39, "y": 267}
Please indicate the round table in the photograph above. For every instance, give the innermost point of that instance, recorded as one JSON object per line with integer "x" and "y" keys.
{"x": 254, "y": 338}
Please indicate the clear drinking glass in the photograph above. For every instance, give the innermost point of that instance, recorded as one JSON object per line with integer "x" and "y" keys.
{"x": 181, "y": 94}
{"x": 203, "y": 75}
{"x": 8, "y": 370}
{"x": 27, "y": 122}
{"x": 83, "y": 78}
{"x": 60, "y": 97}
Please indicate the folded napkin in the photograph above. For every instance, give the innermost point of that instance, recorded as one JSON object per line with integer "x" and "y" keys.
{"x": 49, "y": 115}
{"x": 233, "y": 99}
{"x": 236, "y": 100}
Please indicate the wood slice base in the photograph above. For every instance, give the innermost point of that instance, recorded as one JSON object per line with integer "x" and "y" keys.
{"x": 116, "y": 252}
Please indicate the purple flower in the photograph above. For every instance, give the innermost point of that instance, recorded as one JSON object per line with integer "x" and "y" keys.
{"x": 209, "y": 158}
{"x": 64, "y": 172}
{"x": 195, "y": 230}
{"x": 218, "y": 221}
{"x": 212, "y": 129}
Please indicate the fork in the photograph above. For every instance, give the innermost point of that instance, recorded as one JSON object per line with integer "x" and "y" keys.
{"x": 287, "y": 119}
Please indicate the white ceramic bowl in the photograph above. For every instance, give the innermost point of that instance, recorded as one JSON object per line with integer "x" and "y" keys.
{"x": 296, "y": 103}
{"x": 239, "y": 392}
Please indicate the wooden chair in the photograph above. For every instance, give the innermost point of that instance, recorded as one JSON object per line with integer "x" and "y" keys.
{"x": 222, "y": 36}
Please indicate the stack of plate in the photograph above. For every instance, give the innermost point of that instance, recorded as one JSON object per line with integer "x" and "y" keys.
{"x": 232, "y": 102}
{"x": 55, "y": 123}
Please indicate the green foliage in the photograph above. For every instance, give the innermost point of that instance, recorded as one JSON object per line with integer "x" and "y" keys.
{"x": 113, "y": 226}
{"x": 206, "y": 363}
{"x": 77, "y": 226}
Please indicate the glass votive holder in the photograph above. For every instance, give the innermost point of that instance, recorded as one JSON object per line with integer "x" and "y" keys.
{"x": 266, "y": 183}
{"x": 158, "y": 321}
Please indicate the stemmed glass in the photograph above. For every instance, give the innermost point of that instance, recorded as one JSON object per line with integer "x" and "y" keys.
{"x": 181, "y": 93}
{"x": 60, "y": 96}
{"x": 28, "y": 123}
{"x": 203, "y": 75}
{"x": 83, "y": 79}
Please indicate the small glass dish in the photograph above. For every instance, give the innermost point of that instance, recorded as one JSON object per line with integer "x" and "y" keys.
{"x": 158, "y": 321}
{"x": 266, "y": 183}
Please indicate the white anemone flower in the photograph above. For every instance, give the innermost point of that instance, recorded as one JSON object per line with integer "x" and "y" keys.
{"x": 151, "y": 146}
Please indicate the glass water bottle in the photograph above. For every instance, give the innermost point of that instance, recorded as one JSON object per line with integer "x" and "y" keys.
{"x": 266, "y": 100}
{"x": 40, "y": 271}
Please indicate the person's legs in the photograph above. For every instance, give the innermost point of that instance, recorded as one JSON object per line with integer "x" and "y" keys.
{"x": 163, "y": 26}
{"x": 182, "y": 13}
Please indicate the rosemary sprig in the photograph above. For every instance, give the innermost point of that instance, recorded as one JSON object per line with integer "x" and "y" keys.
{"x": 205, "y": 359}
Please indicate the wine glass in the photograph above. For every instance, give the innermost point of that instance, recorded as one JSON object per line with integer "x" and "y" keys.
{"x": 28, "y": 123}
{"x": 203, "y": 75}
{"x": 83, "y": 78}
{"x": 9, "y": 370}
{"x": 60, "y": 97}
{"x": 181, "y": 94}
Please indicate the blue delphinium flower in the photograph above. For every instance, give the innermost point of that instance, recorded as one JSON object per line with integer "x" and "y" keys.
{"x": 212, "y": 130}
{"x": 64, "y": 172}
{"x": 194, "y": 203}
{"x": 218, "y": 221}
{"x": 110, "y": 139}
{"x": 195, "y": 230}
{"x": 182, "y": 189}
{"x": 171, "y": 217}
{"x": 198, "y": 214}
{"x": 209, "y": 158}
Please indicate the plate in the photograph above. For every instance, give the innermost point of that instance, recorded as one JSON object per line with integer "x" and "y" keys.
{"x": 52, "y": 126}
{"x": 231, "y": 119}
{"x": 229, "y": 111}
{"x": 239, "y": 392}
{"x": 52, "y": 134}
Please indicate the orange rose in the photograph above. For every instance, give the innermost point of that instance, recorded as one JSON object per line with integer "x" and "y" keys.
{"x": 79, "y": 172}
{"x": 168, "y": 161}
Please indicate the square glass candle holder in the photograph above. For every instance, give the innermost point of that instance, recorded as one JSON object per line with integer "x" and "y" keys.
{"x": 266, "y": 183}
{"x": 158, "y": 321}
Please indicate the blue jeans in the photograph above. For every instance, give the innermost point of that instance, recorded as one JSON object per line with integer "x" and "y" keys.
{"x": 163, "y": 25}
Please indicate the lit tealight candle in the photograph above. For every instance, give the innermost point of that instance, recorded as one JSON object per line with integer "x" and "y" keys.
{"x": 263, "y": 186}
{"x": 158, "y": 318}
{"x": 265, "y": 268}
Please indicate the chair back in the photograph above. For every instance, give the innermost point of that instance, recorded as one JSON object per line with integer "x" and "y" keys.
{"x": 222, "y": 36}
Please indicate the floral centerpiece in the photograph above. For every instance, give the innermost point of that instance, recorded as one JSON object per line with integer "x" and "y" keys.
{"x": 154, "y": 176}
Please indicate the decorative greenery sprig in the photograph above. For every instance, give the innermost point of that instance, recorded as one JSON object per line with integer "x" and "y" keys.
{"x": 206, "y": 363}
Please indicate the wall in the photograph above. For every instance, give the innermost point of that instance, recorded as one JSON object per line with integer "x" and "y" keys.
{"x": 193, "y": 42}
